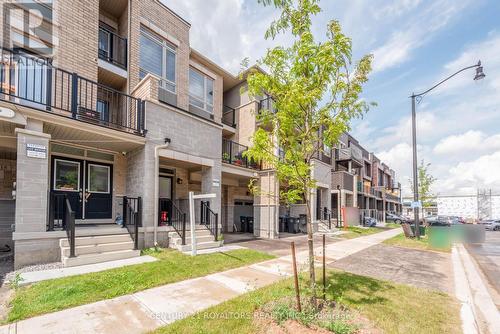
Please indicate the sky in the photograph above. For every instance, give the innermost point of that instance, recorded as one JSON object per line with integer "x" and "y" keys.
{"x": 415, "y": 44}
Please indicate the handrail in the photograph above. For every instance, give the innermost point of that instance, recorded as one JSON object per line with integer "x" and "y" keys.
{"x": 176, "y": 218}
{"x": 232, "y": 153}
{"x": 229, "y": 116}
{"x": 132, "y": 216}
{"x": 117, "y": 49}
{"x": 327, "y": 215}
{"x": 209, "y": 219}
{"x": 32, "y": 81}
{"x": 69, "y": 225}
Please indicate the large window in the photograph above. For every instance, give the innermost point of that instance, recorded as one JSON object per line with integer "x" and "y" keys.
{"x": 158, "y": 58}
{"x": 201, "y": 91}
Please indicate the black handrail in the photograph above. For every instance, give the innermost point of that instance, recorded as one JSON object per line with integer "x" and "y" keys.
{"x": 69, "y": 225}
{"x": 229, "y": 116}
{"x": 175, "y": 217}
{"x": 34, "y": 82}
{"x": 327, "y": 215}
{"x": 232, "y": 153}
{"x": 132, "y": 217}
{"x": 209, "y": 219}
{"x": 117, "y": 48}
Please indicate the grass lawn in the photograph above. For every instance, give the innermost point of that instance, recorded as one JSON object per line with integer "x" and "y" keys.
{"x": 172, "y": 266}
{"x": 389, "y": 306}
{"x": 392, "y": 225}
{"x": 355, "y": 231}
{"x": 422, "y": 243}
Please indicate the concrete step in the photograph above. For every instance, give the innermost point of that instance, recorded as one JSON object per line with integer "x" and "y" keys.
{"x": 201, "y": 245}
{"x": 96, "y": 240}
{"x": 99, "y": 248}
{"x": 199, "y": 239}
{"x": 98, "y": 258}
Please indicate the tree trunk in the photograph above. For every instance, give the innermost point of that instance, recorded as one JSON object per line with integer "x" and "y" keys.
{"x": 310, "y": 244}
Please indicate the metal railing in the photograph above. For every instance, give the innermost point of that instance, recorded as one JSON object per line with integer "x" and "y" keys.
{"x": 132, "y": 217}
{"x": 267, "y": 104}
{"x": 349, "y": 153}
{"x": 229, "y": 116}
{"x": 232, "y": 153}
{"x": 209, "y": 219}
{"x": 112, "y": 48}
{"x": 35, "y": 83}
{"x": 175, "y": 217}
{"x": 62, "y": 216}
{"x": 69, "y": 226}
{"x": 327, "y": 215}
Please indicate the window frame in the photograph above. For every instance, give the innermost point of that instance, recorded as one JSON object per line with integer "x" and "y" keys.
{"x": 166, "y": 47}
{"x": 206, "y": 79}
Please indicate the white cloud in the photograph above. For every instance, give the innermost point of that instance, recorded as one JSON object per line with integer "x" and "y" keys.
{"x": 416, "y": 32}
{"x": 481, "y": 173}
{"x": 470, "y": 141}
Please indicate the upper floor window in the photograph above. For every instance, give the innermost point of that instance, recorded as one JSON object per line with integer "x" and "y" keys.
{"x": 327, "y": 150}
{"x": 201, "y": 91}
{"x": 157, "y": 56}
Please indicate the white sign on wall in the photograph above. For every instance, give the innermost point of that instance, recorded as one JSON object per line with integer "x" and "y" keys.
{"x": 216, "y": 183}
{"x": 36, "y": 151}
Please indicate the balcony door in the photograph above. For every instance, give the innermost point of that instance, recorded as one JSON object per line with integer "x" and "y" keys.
{"x": 88, "y": 186}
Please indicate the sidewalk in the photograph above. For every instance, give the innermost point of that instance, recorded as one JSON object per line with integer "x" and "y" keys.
{"x": 147, "y": 310}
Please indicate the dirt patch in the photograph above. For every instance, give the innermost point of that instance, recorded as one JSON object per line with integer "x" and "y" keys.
{"x": 281, "y": 317}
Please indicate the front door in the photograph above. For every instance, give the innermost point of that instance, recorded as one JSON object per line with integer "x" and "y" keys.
{"x": 88, "y": 186}
{"x": 165, "y": 192}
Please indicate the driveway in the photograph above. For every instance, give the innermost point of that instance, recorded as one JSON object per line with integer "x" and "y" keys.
{"x": 425, "y": 269}
{"x": 278, "y": 247}
{"x": 487, "y": 256}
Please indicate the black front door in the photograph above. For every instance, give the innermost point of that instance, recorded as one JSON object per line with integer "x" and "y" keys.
{"x": 98, "y": 190}
{"x": 88, "y": 186}
{"x": 67, "y": 179}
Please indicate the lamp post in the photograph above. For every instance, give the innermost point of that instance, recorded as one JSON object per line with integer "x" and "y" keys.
{"x": 479, "y": 75}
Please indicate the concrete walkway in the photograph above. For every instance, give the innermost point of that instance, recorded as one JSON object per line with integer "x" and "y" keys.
{"x": 147, "y": 310}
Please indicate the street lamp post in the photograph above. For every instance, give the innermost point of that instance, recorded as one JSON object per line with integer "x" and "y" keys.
{"x": 479, "y": 75}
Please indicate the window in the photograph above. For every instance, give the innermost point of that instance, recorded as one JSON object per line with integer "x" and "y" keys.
{"x": 66, "y": 175}
{"x": 327, "y": 150}
{"x": 98, "y": 179}
{"x": 201, "y": 91}
{"x": 157, "y": 56}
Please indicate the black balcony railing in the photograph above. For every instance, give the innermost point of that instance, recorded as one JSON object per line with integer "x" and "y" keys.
{"x": 267, "y": 104}
{"x": 229, "y": 116}
{"x": 232, "y": 153}
{"x": 112, "y": 48}
{"x": 35, "y": 83}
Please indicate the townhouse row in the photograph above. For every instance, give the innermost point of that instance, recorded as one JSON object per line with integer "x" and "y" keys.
{"x": 109, "y": 119}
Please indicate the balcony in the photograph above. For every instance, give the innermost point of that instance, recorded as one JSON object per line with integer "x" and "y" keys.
{"x": 232, "y": 153}
{"x": 229, "y": 116}
{"x": 33, "y": 82}
{"x": 266, "y": 104}
{"x": 343, "y": 179}
{"x": 352, "y": 153}
{"x": 112, "y": 48}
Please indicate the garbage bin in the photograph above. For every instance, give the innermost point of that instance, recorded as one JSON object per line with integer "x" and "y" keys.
{"x": 282, "y": 226}
{"x": 303, "y": 223}
{"x": 439, "y": 236}
{"x": 243, "y": 224}
{"x": 249, "y": 225}
{"x": 422, "y": 230}
{"x": 293, "y": 225}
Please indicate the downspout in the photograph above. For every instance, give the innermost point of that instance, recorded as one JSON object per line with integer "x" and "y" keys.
{"x": 128, "y": 43}
{"x": 157, "y": 189}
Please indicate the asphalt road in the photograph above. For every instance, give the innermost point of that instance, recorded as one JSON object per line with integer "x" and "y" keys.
{"x": 487, "y": 256}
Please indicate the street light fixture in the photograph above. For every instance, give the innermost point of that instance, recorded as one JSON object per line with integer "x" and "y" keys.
{"x": 479, "y": 75}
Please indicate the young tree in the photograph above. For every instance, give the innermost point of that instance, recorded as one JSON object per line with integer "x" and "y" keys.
{"x": 315, "y": 90}
{"x": 425, "y": 182}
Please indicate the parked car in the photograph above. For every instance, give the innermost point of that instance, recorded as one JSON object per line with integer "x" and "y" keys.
{"x": 369, "y": 222}
{"x": 492, "y": 225}
{"x": 438, "y": 221}
{"x": 457, "y": 220}
{"x": 393, "y": 218}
